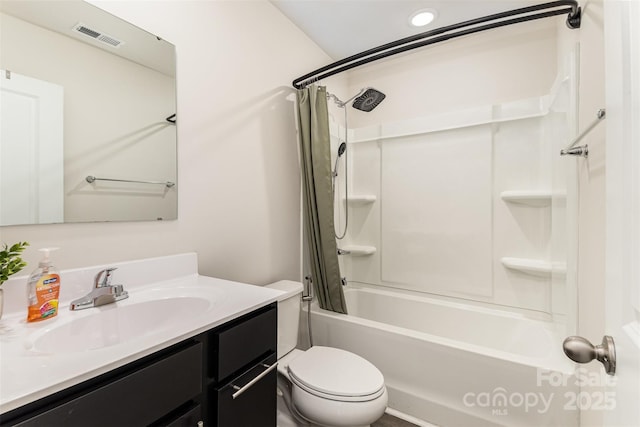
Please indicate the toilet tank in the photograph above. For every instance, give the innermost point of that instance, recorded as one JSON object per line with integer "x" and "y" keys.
{"x": 288, "y": 314}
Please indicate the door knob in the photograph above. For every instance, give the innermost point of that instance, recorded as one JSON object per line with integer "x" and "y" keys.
{"x": 580, "y": 350}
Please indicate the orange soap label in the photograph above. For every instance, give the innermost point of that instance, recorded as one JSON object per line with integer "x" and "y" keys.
{"x": 44, "y": 304}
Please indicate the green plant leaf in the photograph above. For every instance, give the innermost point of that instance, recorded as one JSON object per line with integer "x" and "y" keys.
{"x": 10, "y": 260}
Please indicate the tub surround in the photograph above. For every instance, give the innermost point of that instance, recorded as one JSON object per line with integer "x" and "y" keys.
{"x": 29, "y": 371}
{"x": 501, "y": 238}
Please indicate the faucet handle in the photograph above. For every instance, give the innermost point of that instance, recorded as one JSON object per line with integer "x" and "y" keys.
{"x": 103, "y": 278}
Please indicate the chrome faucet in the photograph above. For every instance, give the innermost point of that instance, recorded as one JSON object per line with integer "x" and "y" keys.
{"x": 103, "y": 292}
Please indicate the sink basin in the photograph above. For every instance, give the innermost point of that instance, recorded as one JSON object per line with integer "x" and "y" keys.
{"x": 115, "y": 324}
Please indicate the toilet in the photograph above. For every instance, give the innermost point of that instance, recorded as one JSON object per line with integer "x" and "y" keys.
{"x": 323, "y": 385}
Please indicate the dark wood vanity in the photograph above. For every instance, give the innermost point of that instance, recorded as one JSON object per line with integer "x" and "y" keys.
{"x": 222, "y": 377}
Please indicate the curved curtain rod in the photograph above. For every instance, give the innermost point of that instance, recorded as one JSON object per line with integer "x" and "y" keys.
{"x": 427, "y": 38}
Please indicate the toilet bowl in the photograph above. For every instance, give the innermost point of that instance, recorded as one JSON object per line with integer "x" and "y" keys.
{"x": 324, "y": 385}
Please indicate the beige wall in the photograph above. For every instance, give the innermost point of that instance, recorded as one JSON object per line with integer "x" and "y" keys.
{"x": 493, "y": 67}
{"x": 238, "y": 204}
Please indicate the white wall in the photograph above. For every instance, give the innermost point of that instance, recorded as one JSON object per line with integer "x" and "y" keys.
{"x": 238, "y": 203}
{"x": 591, "y": 176}
{"x": 591, "y": 239}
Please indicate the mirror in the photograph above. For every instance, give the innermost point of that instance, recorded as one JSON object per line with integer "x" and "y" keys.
{"x": 87, "y": 117}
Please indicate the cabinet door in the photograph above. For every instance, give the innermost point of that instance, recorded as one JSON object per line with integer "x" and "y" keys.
{"x": 136, "y": 399}
{"x": 239, "y": 345}
{"x": 256, "y": 406}
{"x": 191, "y": 418}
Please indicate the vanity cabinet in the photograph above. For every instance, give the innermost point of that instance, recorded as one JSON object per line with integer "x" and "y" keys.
{"x": 224, "y": 377}
{"x": 237, "y": 381}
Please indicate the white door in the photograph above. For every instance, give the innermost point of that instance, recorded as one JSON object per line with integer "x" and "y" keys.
{"x": 31, "y": 150}
{"x": 622, "y": 50}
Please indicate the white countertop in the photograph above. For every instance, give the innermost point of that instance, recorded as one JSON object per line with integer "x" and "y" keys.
{"x": 29, "y": 372}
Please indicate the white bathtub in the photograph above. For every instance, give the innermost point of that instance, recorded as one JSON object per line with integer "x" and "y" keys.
{"x": 455, "y": 364}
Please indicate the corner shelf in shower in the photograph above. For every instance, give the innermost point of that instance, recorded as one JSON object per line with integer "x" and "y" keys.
{"x": 359, "y": 250}
{"x": 535, "y": 198}
{"x": 534, "y": 267}
{"x": 361, "y": 200}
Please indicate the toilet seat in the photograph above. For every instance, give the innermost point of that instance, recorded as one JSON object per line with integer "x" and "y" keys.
{"x": 336, "y": 374}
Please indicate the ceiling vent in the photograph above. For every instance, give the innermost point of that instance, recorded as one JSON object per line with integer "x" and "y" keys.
{"x": 97, "y": 35}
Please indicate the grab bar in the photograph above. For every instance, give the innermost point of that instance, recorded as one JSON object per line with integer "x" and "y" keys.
{"x": 91, "y": 179}
{"x": 583, "y": 150}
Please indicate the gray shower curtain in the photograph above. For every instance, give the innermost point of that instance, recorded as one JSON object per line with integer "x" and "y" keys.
{"x": 313, "y": 124}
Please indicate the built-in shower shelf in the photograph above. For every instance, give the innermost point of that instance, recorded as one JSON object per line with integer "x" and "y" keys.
{"x": 537, "y": 198}
{"x": 535, "y": 267}
{"x": 358, "y": 250}
{"x": 362, "y": 200}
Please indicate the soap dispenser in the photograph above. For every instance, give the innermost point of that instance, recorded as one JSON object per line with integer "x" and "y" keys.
{"x": 43, "y": 289}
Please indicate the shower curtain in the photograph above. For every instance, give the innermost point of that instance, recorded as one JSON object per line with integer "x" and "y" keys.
{"x": 313, "y": 124}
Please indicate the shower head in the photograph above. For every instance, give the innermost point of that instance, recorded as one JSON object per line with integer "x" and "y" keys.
{"x": 368, "y": 100}
{"x": 342, "y": 148}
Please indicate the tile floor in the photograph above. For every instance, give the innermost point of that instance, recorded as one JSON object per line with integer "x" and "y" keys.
{"x": 391, "y": 421}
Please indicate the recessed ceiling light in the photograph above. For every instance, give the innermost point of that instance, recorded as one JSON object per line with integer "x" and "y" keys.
{"x": 422, "y": 17}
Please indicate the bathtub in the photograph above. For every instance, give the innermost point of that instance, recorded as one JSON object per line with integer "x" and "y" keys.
{"x": 456, "y": 364}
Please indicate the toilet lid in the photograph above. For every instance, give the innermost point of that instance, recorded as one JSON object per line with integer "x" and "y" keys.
{"x": 336, "y": 372}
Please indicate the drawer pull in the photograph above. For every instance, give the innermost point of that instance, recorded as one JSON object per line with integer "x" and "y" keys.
{"x": 241, "y": 390}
